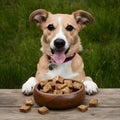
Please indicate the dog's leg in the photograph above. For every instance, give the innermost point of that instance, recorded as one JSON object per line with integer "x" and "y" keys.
{"x": 90, "y": 86}
{"x": 28, "y": 86}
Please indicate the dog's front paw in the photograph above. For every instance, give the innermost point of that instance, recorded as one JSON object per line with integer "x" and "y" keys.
{"x": 28, "y": 86}
{"x": 90, "y": 87}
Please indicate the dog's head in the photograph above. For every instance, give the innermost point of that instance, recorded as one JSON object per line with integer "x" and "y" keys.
{"x": 60, "y": 32}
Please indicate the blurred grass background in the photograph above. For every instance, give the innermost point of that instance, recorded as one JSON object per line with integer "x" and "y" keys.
{"x": 20, "y": 39}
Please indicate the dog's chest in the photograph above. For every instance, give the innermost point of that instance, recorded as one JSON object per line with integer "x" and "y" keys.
{"x": 64, "y": 70}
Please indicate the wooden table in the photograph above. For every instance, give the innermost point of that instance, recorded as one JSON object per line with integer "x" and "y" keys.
{"x": 108, "y": 108}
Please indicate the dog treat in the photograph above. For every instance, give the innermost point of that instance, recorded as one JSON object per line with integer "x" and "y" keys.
{"x": 42, "y": 83}
{"x": 25, "y": 108}
{"x": 93, "y": 102}
{"x": 58, "y": 79}
{"x": 57, "y": 92}
{"x": 47, "y": 87}
{"x": 52, "y": 83}
{"x": 43, "y": 110}
{"x": 77, "y": 85}
{"x": 29, "y": 102}
{"x": 68, "y": 83}
{"x": 66, "y": 90}
{"x": 82, "y": 108}
{"x": 60, "y": 86}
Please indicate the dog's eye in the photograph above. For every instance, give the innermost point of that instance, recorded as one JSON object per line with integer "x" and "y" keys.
{"x": 51, "y": 27}
{"x": 69, "y": 28}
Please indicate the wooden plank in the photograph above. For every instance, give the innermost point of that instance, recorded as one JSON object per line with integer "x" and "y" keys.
{"x": 73, "y": 114}
{"x": 11, "y": 97}
{"x": 106, "y": 97}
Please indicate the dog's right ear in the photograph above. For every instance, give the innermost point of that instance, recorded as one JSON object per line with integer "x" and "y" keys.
{"x": 39, "y": 16}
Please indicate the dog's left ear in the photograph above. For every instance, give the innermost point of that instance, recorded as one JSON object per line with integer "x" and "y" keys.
{"x": 82, "y": 18}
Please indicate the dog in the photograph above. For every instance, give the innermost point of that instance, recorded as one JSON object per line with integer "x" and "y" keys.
{"x": 60, "y": 46}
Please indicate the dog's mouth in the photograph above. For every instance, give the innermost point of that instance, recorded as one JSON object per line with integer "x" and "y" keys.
{"x": 59, "y": 56}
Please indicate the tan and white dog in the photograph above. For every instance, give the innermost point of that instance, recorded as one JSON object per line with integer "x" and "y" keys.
{"x": 60, "y": 45}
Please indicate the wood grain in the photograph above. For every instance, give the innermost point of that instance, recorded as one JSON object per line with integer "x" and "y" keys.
{"x": 74, "y": 114}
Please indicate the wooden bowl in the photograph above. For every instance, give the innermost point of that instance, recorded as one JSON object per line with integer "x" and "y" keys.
{"x": 59, "y": 101}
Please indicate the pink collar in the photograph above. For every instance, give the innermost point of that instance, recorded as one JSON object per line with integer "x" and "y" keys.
{"x": 66, "y": 60}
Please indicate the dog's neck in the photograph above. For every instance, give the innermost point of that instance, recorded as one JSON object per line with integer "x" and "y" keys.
{"x": 66, "y": 60}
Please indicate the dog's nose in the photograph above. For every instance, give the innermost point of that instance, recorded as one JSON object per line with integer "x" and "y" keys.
{"x": 59, "y": 43}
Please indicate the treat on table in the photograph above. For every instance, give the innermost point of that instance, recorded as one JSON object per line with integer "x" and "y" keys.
{"x": 25, "y": 108}
{"x": 82, "y": 108}
{"x": 93, "y": 102}
{"x": 43, "y": 110}
{"x": 29, "y": 102}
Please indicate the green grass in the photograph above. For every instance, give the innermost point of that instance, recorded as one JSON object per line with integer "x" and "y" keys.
{"x": 19, "y": 40}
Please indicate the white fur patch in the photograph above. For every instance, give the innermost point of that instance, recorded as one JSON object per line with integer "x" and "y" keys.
{"x": 90, "y": 87}
{"x": 59, "y": 35}
{"x": 41, "y": 49}
{"x": 64, "y": 70}
{"x": 28, "y": 86}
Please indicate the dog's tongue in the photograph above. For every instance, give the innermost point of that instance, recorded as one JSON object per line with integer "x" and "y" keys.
{"x": 59, "y": 57}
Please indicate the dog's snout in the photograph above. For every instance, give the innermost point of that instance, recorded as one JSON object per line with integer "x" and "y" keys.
{"x": 59, "y": 43}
